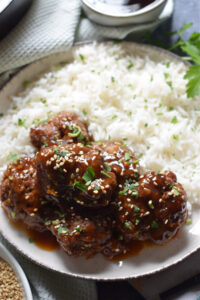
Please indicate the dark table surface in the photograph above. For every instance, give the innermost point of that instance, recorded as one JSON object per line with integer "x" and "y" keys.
{"x": 185, "y": 11}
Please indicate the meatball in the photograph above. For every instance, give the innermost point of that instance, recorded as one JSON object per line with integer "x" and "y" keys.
{"x": 119, "y": 159}
{"x": 75, "y": 172}
{"x": 79, "y": 235}
{"x": 20, "y": 195}
{"x": 63, "y": 127}
{"x": 152, "y": 208}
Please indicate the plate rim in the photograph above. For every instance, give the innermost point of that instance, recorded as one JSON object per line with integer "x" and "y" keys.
{"x": 47, "y": 57}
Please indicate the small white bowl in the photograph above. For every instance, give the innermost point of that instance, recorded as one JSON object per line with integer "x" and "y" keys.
{"x": 111, "y": 15}
{"x": 21, "y": 277}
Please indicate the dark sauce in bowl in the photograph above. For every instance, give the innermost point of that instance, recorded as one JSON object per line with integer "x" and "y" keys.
{"x": 135, "y": 4}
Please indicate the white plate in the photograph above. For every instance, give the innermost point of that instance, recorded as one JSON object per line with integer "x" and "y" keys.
{"x": 7, "y": 256}
{"x": 150, "y": 260}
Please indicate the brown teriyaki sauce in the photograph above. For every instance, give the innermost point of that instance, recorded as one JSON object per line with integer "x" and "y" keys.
{"x": 136, "y": 4}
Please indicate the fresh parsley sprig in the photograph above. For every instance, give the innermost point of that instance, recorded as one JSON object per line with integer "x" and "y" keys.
{"x": 192, "y": 48}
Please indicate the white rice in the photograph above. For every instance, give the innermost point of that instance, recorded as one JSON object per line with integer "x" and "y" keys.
{"x": 121, "y": 101}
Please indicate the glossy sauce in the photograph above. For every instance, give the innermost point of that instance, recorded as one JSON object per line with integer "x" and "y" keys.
{"x": 44, "y": 240}
{"x": 139, "y": 3}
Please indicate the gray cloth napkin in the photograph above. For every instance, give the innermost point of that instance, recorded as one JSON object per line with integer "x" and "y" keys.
{"x": 52, "y": 26}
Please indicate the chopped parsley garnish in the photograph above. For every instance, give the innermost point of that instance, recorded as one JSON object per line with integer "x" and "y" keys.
{"x": 82, "y": 58}
{"x": 137, "y": 221}
{"x": 151, "y": 78}
{"x": 127, "y": 156}
{"x": 84, "y": 112}
{"x": 21, "y": 122}
{"x": 175, "y": 137}
{"x": 80, "y": 185}
{"x": 114, "y": 117}
{"x": 108, "y": 168}
{"x": 174, "y": 120}
{"x": 76, "y": 131}
{"x": 166, "y": 75}
{"x": 78, "y": 228}
{"x": 13, "y": 157}
{"x": 188, "y": 222}
{"x": 105, "y": 173}
{"x": 168, "y": 64}
{"x": 154, "y": 224}
{"x": 89, "y": 175}
{"x": 146, "y": 125}
{"x": 44, "y": 101}
{"x": 13, "y": 214}
{"x": 175, "y": 191}
{"x": 130, "y": 65}
{"x": 136, "y": 210}
{"x": 171, "y": 108}
{"x": 47, "y": 223}
{"x": 169, "y": 83}
{"x": 62, "y": 230}
{"x": 128, "y": 225}
{"x": 31, "y": 240}
{"x": 1, "y": 114}
{"x": 113, "y": 79}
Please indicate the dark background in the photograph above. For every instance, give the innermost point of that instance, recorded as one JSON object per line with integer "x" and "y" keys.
{"x": 185, "y": 11}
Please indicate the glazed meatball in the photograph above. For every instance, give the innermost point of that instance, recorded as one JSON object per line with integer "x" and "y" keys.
{"x": 79, "y": 235}
{"x": 63, "y": 127}
{"x": 119, "y": 159}
{"x": 74, "y": 172}
{"x": 152, "y": 208}
{"x": 20, "y": 195}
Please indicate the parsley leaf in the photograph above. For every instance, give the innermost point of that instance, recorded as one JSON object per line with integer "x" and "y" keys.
{"x": 89, "y": 174}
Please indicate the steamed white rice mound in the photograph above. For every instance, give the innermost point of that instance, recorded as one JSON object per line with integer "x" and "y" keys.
{"x": 121, "y": 96}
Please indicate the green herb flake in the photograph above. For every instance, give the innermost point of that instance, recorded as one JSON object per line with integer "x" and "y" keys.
{"x": 14, "y": 157}
{"x": 154, "y": 224}
{"x": 47, "y": 223}
{"x": 166, "y": 75}
{"x": 80, "y": 185}
{"x": 151, "y": 78}
{"x": 21, "y": 122}
{"x": 128, "y": 225}
{"x": 89, "y": 175}
{"x": 131, "y": 65}
{"x": 174, "y": 120}
{"x": 1, "y": 114}
{"x": 105, "y": 173}
{"x": 108, "y": 168}
{"x": 13, "y": 215}
{"x": 127, "y": 156}
{"x": 136, "y": 210}
{"x": 175, "y": 191}
{"x": 168, "y": 64}
{"x": 171, "y": 108}
{"x": 146, "y": 125}
{"x": 169, "y": 83}
{"x": 31, "y": 240}
{"x": 113, "y": 79}
{"x": 78, "y": 228}
{"x": 137, "y": 221}
{"x": 14, "y": 107}
{"x": 62, "y": 230}
{"x": 175, "y": 137}
{"x": 84, "y": 112}
{"x": 82, "y": 58}
{"x": 188, "y": 222}
{"x": 114, "y": 117}
{"x": 75, "y": 132}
